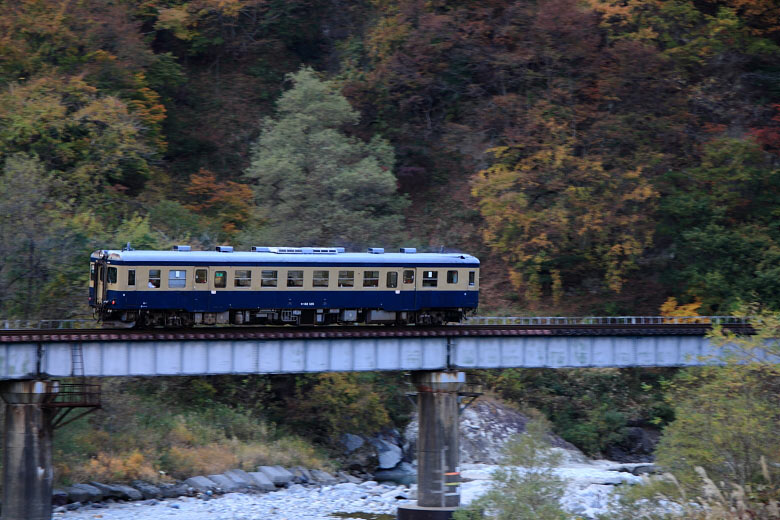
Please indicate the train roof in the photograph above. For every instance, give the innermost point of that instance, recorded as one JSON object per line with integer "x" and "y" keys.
{"x": 292, "y": 256}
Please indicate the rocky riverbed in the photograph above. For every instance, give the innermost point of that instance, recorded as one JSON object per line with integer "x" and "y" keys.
{"x": 589, "y": 486}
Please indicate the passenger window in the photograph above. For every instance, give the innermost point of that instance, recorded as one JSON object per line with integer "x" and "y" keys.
{"x": 371, "y": 279}
{"x": 220, "y": 279}
{"x": 409, "y": 276}
{"x": 154, "y": 279}
{"x": 472, "y": 278}
{"x": 130, "y": 277}
{"x": 201, "y": 275}
{"x": 294, "y": 278}
{"x": 430, "y": 278}
{"x": 321, "y": 279}
{"x": 268, "y": 278}
{"x": 452, "y": 276}
{"x": 392, "y": 280}
{"x": 177, "y": 279}
{"x": 112, "y": 275}
{"x": 243, "y": 278}
{"x": 346, "y": 278}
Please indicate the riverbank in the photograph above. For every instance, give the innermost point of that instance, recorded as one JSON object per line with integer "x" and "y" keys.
{"x": 589, "y": 489}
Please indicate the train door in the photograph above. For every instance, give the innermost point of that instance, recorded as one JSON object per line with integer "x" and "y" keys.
{"x": 409, "y": 289}
{"x": 201, "y": 289}
{"x": 100, "y": 281}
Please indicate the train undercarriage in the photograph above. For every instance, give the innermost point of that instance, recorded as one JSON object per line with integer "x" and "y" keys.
{"x": 148, "y": 318}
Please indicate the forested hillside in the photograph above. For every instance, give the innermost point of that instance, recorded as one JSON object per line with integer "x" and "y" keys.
{"x": 600, "y": 156}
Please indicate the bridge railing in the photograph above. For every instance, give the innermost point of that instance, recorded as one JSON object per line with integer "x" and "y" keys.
{"x": 72, "y": 323}
{"x": 604, "y": 320}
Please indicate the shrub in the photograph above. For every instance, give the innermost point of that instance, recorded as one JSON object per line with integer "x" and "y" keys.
{"x": 531, "y": 491}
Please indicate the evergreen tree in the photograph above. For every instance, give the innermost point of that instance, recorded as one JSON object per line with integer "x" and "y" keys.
{"x": 314, "y": 183}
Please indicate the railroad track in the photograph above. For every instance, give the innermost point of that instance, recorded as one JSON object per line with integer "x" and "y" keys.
{"x": 337, "y": 332}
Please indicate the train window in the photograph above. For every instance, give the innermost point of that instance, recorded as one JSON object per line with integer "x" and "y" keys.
{"x": 392, "y": 280}
{"x": 177, "y": 279}
{"x": 472, "y": 278}
{"x": 201, "y": 275}
{"x": 430, "y": 278}
{"x": 346, "y": 278}
{"x": 294, "y": 278}
{"x": 452, "y": 276}
{"x": 321, "y": 278}
{"x": 154, "y": 279}
{"x": 92, "y": 269}
{"x": 409, "y": 276}
{"x": 112, "y": 275}
{"x": 242, "y": 278}
{"x": 130, "y": 277}
{"x": 371, "y": 279}
{"x": 220, "y": 279}
{"x": 268, "y": 278}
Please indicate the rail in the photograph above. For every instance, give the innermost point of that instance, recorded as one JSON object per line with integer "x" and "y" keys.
{"x": 84, "y": 323}
{"x": 604, "y": 320}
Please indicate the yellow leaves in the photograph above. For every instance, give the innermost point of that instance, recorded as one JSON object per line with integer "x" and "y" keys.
{"x": 177, "y": 20}
{"x": 387, "y": 36}
{"x": 545, "y": 203}
{"x": 123, "y": 467}
{"x": 671, "y": 308}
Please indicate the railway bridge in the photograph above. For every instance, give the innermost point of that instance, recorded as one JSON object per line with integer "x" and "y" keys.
{"x": 31, "y": 361}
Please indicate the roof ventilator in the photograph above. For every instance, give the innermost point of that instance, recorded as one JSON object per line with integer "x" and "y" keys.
{"x": 225, "y": 249}
{"x": 299, "y": 250}
{"x": 376, "y": 250}
{"x": 409, "y": 250}
{"x": 182, "y": 248}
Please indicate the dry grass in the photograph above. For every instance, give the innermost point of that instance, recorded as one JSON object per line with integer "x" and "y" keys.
{"x": 664, "y": 497}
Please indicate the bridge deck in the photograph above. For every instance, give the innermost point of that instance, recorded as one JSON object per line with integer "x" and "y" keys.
{"x": 122, "y": 352}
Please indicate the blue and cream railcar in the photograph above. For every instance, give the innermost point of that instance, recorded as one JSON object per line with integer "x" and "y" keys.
{"x": 307, "y": 286}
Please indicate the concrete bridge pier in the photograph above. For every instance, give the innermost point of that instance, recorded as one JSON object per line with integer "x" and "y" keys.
{"x": 27, "y": 451}
{"x": 438, "y": 464}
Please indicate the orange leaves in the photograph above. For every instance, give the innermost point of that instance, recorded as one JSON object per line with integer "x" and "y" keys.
{"x": 228, "y": 202}
{"x": 147, "y": 107}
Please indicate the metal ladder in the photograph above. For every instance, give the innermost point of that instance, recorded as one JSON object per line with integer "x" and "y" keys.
{"x": 76, "y": 361}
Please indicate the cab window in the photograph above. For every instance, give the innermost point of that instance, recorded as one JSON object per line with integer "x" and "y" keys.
{"x": 243, "y": 278}
{"x": 220, "y": 279}
{"x": 430, "y": 278}
{"x": 321, "y": 279}
{"x": 452, "y": 276}
{"x": 130, "y": 277}
{"x": 201, "y": 275}
{"x": 346, "y": 278}
{"x": 177, "y": 279}
{"x": 392, "y": 280}
{"x": 472, "y": 278}
{"x": 294, "y": 278}
{"x": 371, "y": 279}
{"x": 112, "y": 275}
{"x": 154, "y": 279}
{"x": 409, "y": 276}
{"x": 268, "y": 278}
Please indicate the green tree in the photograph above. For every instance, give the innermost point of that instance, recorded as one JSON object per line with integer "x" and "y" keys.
{"x": 727, "y": 417}
{"x": 720, "y": 217}
{"x": 526, "y": 486}
{"x": 314, "y": 183}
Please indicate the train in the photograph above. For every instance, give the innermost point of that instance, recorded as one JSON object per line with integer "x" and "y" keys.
{"x": 182, "y": 287}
